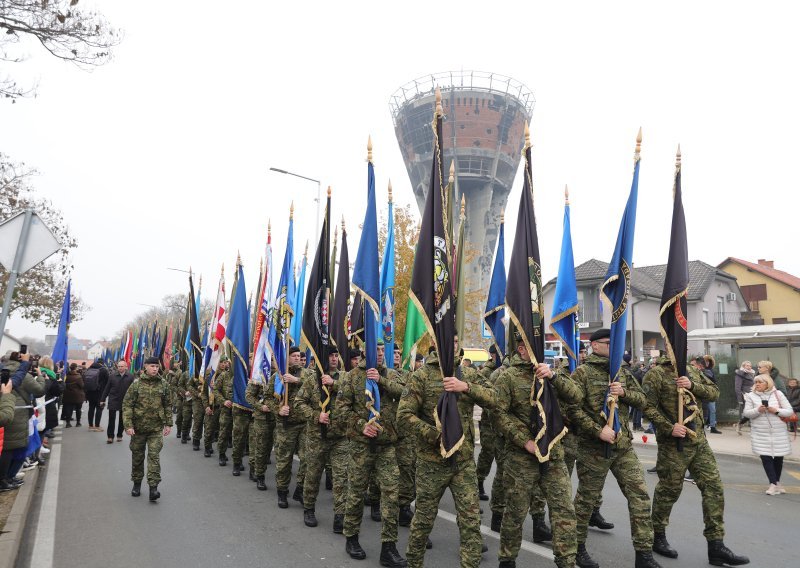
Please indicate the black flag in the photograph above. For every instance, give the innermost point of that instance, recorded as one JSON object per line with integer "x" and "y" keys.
{"x": 432, "y": 290}
{"x": 340, "y": 314}
{"x": 194, "y": 334}
{"x": 526, "y": 310}
{"x": 315, "y": 331}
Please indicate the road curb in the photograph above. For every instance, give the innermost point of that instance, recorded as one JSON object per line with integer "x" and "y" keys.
{"x": 14, "y": 530}
{"x": 746, "y": 456}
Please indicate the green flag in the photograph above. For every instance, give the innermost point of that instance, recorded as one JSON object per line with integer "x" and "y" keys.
{"x": 415, "y": 330}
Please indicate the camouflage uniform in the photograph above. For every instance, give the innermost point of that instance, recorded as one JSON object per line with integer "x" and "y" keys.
{"x": 223, "y": 390}
{"x": 697, "y": 457}
{"x": 435, "y": 473}
{"x": 497, "y": 503}
{"x": 210, "y": 421}
{"x": 524, "y": 478}
{"x": 188, "y": 406}
{"x": 242, "y": 417}
{"x": 262, "y": 429}
{"x": 289, "y": 432}
{"x": 593, "y": 466}
{"x": 175, "y": 376}
{"x": 333, "y": 449}
{"x": 487, "y": 454}
{"x": 147, "y": 409}
{"x": 406, "y": 452}
{"x": 195, "y": 387}
{"x": 370, "y": 456}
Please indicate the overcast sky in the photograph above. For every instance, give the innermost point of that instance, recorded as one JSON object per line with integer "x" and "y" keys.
{"x": 161, "y": 158}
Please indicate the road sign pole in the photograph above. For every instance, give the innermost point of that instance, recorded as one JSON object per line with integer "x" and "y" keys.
{"x": 12, "y": 280}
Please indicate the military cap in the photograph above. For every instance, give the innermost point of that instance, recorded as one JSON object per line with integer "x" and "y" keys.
{"x": 396, "y": 347}
{"x": 601, "y": 333}
{"x": 380, "y": 341}
{"x": 419, "y": 357}
{"x": 333, "y": 351}
{"x": 493, "y": 349}
{"x": 294, "y": 349}
{"x": 626, "y": 357}
{"x": 152, "y": 361}
{"x": 355, "y": 353}
{"x": 223, "y": 358}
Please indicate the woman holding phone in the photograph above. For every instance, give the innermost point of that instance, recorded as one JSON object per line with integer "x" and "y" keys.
{"x": 765, "y": 406}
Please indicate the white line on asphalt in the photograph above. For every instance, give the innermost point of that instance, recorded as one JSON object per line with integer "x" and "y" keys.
{"x": 529, "y": 546}
{"x": 44, "y": 545}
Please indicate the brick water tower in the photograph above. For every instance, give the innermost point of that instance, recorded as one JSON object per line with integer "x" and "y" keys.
{"x": 484, "y": 123}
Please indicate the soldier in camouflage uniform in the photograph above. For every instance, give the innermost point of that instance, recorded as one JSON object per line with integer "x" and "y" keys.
{"x": 147, "y": 413}
{"x": 223, "y": 395}
{"x": 242, "y": 418}
{"x": 289, "y": 429}
{"x": 497, "y": 504}
{"x": 596, "y": 438}
{"x": 185, "y": 394}
{"x": 406, "y": 451}
{"x": 435, "y": 473}
{"x": 213, "y": 408}
{"x": 174, "y": 379}
{"x": 262, "y": 430}
{"x": 524, "y": 477}
{"x": 372, "y": 451}
{"x": 332, "y": 446}
{"x": 660, "y": 385}
{"x": 194, "y": 386}
{"x": 487, "y": 454}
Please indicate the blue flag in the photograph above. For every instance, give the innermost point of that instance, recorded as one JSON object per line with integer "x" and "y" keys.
{"x": 297, "y": 304}
{"x": 283, "y": 313}
{"x": 366, "y": 281}
{"x": 617, "y": 284}
{"x": 62, "y": 340}
{"x": 564, "y": 319}
{"x": 238, "y": 338}
{"x": 496, "y": 302}
{"x": 387, "y": 289}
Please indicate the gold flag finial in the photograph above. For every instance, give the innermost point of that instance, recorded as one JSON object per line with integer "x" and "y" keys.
{"x": 306, "y": 253}
{"x": 502, "y": 216}
{"x": 291, "y": 211}
{"x": 238, "y": 258}
{"x": 190, "y": 271}
{"x": 222, "y": 270}
{"x": 452, "y": 177}
{"x": 260, "y": 265}
{"x": 343, "y": 226}
{"x": 678, "y": 157}
{"x": 527, "y": 136}
{"x": 335, "y": 234}
{"x": 639, "y": 142}
{"x": 463, "y": 207}
{"x": 269, "y": 227}
{"x": 369, "y": 149}
{"x": 200, "y": 282}
{"x": 566, "y": 195}
{"x": 390, "y": 191}
{"x": 329, "y": 192}
{"x": 439, "y": 109}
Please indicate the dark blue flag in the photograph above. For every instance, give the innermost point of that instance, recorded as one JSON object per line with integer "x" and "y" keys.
{"x": 238, "y": 338}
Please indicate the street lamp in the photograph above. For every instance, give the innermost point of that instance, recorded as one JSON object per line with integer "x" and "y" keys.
{"x": 280, "y": 171}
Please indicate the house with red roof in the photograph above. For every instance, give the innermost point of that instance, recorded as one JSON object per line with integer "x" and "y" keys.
{"x": 772, "y": 294}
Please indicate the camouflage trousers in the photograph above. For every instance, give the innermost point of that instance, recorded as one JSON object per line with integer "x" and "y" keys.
{"x": 188, "y": 414}
{"x": 524, "y": 479}
{"x": 381, "y": 462}
{"x": 225, "y": 429}
{"x": 406, "y": 453}
{"x": 570, "y": 444}
{"x": 497, "y": 503}
{"x": 179, "y": 413}
{"x": 288, "y": 442}
{"x": 198, "y": 419}
{"x": 241, "y": 431}
{"x": 262, "y": 432}
{"x": 671, "y": 466}
{"x": 152, "y": 442}
{"x": 211, "y": 427}
{"x": 486, "y": 456}
{"x": 317, "y": 454}
{"x": 433, "y": 478}
{"x": 593, "y": 467}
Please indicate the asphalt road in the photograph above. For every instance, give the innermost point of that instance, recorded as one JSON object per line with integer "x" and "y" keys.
{"x": 83, "y": 515}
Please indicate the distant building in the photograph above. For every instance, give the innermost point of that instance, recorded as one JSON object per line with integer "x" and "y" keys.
{"x": 714, "y": 300}
{"x": 771, "y": 294}
{"x": 96, "y": 350}
{"x": 8, "y": 343}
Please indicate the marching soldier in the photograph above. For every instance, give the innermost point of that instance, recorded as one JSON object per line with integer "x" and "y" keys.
{"x": 289, "y": 428}
{"x": 524, "y": 477}
{"x": 242, "y": 418}
{"x": 223, "y": 394}
{"x": 325, "y": 442}
{"x": 661, "y": 386}
{"x": 194, "y": 388}
{"x": 372, "y": 451}
{"x": 262, "y": 430}
{"x": 185, "y": 394}
{"x": 406, "y": 452}
{"x": 146, "y": 411}
{"x": 593, "y": 464}
{"x": 435, "y": 473}
{"x": 497, "y": 504}
{"x": 213, "y": 409}
{"x": 174, "y": 378}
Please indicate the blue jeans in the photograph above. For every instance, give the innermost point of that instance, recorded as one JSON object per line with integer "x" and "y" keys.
{"x": 712, "y": 414}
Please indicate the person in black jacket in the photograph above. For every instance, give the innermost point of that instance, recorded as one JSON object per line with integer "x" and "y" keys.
{"x": 115, "y": 389}
{"x": 53, "y": 388}
{"x": 95, "y": 379}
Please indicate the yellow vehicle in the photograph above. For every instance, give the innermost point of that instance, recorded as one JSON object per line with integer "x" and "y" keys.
{"x": 477, "y": 355}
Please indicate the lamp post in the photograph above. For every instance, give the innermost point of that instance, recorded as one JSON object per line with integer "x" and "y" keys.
{"x": 280, "y": 171}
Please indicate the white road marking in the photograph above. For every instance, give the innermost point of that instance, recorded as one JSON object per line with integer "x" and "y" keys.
{"x": 44, "y": 545}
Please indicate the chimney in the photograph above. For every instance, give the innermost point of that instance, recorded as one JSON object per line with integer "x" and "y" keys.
{"x": 767, "y": 263}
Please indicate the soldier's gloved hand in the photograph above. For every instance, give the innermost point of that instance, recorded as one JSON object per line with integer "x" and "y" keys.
{"x": 209, "y": 412}
{"x": 130, "y": 431}
{"x": 679, "y": 431}
{"x": 607, "y": 435}
{"x": 227, "y": 404}
{"x": 284, "y": 411}
{"x": 324, "y": 418}
{"x": 432, "y": 436}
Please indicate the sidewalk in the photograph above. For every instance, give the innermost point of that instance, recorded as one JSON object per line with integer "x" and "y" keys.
{"x": 727, "y": 443}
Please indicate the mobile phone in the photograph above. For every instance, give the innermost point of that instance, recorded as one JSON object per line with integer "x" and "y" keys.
{"x": 23, "y": 349}
{"x": 764, "y": 402}
{"x": 5, "y": 375}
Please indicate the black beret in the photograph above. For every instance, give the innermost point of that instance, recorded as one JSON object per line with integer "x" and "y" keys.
{"x": 601, "y": 333}
{"x": 355, "y": 353}
{"x": 294, "y": 349}
{"x": 152, "y": 361}
{"x": 419, "y": 357}
{"x": 333, "y": 351}
{"x": 396, "y": 347}
{"x": 626, "y": 357}
{"x": 517, "y": 335}
{"x": 493, "y": 349}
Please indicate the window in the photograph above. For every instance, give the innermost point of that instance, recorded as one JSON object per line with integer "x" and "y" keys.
{"x": 705, "y": 318}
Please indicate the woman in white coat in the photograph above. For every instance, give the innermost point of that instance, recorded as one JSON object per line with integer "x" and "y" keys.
{"x": 764, "y": 406}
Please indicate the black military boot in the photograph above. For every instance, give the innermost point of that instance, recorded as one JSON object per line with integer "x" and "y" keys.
{"x": 237, "y": 469}
{"x": 481, "y": 491}
{"x": 178, "y": 434}
{"x": 367, "y": 499}
{"x": 662, "y": 547}
{"x": 298, "y": 493}
{"x": 261, "y": 485}
{"x": 541, "y": 532}
{"x": 375, "y": 512}
{"x": 154, "y": 494}
{"x": 583, "y": 560}
{"x": 283, "y": 502}
{"x": 428, "y": 544}
{"x": 390, "y": 557}
{"x": 644, "y": 559}
{"x": 338, "y": 523}
{"x": 721, "y": 555}
{"x": 223, "y": 460}
{"x": 484, "y": 548}
{"x": 497, "y": 521}
{"x": 507, "y": 564}
{"x": 406, "y": 514}
{"x": 207, "y": 453}
{"x": 185, "y": 438}
{"x": 597, "y": 520}
{"x": 137, "y": 489}
{"x": 309, "y": 518}
{"x": 353, "y": 548}
{"x": 252, "y": 475}
{"x": 196, "y": 445}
